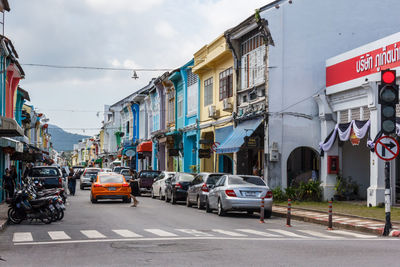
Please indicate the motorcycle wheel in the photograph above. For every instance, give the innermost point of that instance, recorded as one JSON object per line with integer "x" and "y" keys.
{"x": 48, "y": 216}
{"x": 60, "y": 214}
{"x": 13, "y": 217}
{"x": 55, "y": 215}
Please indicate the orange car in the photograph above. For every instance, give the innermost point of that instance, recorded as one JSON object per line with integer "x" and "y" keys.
{"x": 110, "y": 186}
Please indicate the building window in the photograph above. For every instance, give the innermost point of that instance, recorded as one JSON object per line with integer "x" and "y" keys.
{"x": 192, "y": 93}
{"x": 225, "y": 84}
{"x": 244, "y": 99}
{"x": 252, "y": 52}
{"x": 180, "y": 105}
{"x": 171, "y": 106}
{"x": 208, "y": 91}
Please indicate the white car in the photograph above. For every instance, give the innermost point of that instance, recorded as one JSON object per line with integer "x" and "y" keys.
{"x": 107, "y": 170}
{"x": 158, "y": 187}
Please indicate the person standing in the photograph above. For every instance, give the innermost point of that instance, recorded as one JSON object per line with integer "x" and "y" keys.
{"x": 71, "y": 182}
{"x": 9, "y": 184}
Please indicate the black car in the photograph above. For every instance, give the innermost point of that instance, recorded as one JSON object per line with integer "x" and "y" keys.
{"x": 144, "y": 181}
{"x": 199, "y": 187}
{"x": 48, "y": 176}
{"x": 177, "y": 186}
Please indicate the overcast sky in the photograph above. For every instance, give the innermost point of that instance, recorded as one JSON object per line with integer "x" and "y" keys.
{"x": 147, "y": 34}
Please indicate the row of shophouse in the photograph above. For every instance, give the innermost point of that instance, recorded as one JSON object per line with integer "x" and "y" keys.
{"x": 24, "y": 136}
{"x": 289, "y": 94}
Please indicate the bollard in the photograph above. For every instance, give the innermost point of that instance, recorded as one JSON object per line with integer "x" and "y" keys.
{"x": 330, "y": 216}
{"x": 262, "y": 211}
{"x": 289, "y": 212}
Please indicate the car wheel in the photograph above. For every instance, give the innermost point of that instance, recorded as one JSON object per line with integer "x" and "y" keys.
{"x": 152, "y": 194}
{"x": 267, "y": 214}
{"x": 221, "y": 211}
{"x": 173, "y": 199}
{"x": 92, "y": 199}
{"x": 199, "y": 204}
{"x": 208, "y": 209}
{"x": 81, "y": 187}
{"x": 188, "y": 204}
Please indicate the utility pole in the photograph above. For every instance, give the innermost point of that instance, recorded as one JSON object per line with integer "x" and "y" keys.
{"x": 388, "y": 224}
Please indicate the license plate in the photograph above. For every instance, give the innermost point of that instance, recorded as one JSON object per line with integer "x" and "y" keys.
{"x": 250, "y": 194}
{"x": 112, "y": 188}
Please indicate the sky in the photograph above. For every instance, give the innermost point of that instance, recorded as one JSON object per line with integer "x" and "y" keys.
{"x": 131, "y": 34}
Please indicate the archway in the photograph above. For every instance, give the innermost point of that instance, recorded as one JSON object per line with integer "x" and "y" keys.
{"x": 302, "y": 164}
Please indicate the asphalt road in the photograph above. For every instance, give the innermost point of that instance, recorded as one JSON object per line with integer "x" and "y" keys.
{"x": 156, "y": 233}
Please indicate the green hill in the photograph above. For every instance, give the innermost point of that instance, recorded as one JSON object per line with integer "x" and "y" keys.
{"x": 62, "y": 140}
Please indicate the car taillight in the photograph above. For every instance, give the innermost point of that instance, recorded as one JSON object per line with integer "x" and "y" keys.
{"x": 125, "y": 185}
{"x": 178, "y": 185}
{"x": 59, "y": 182}
{"x": 230, "y": 193}
{"x": 269, "y": 194}
{"x": 97, "y": 185}
{"x": 204, "y": 187}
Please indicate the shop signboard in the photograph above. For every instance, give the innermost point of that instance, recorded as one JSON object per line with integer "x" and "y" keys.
{"x": 204, "y": 153}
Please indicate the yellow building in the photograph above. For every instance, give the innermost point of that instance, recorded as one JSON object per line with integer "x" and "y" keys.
{"x": 213, "y": 63}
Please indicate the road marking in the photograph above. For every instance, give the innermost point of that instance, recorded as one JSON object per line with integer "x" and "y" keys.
{"x": 287, "y": 233}
{"x": 160, "y": 232}
{"x": 318, "y": 234}
{"x": 22, "y": 237}
{"x": 194, "y": 232}
{"x": 58, "y": 235}
{"x": 352, "y": 234}
{"x": 92, "y": 234}
{"x": 254, "y": 232}
{"x": 126, "y": 233}
{"x": 228, "y": 233}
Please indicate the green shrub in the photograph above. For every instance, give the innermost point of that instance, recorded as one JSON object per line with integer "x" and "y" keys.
{"x": 278, "y": 194}
{"x": 310, "y": 191}
{"x": 291, "y": 193}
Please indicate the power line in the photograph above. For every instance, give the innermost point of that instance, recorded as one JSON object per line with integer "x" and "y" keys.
{"x": 93, "y": 68}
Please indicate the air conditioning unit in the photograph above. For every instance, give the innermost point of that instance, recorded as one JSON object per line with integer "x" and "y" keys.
{"x": 212, "y": 111}
{"x": 227, "y": 105}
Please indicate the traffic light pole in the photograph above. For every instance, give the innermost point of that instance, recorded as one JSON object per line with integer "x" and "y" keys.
{"x": 388, "y": 224}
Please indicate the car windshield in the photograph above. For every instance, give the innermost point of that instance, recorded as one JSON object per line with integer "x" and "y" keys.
{"x": 111, "y": 179}
{"x": 125, "y": 172}
{"x": 91, "y": 173}
{"x": 213, "y": 178}
{"x": 245, "y": 180}
{"x": 186, "y": 177}
{"x": 151, "y": 175}
{"x": 44, "y": 172}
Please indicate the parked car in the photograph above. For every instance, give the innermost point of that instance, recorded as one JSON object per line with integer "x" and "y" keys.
{"x": 110, "y": 186}
{"x": 239, "y": 193}
{"x": 177, "y": 186}
{"x": 107, "y": 170}
{"x": 144, "y": 181}
{"x": 127, "y": 174}
{"x": 158, "y": 188}
{"x": 199, "y": 188}
{"x": 87, "y": 177}
{"x": 48, "y": 176}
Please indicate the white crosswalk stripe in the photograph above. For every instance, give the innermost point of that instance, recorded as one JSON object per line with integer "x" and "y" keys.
{"x": 160, "y": 232}
{"x": 287, "y": 233}
{"x": 352, "y": 234}
{"x": 318, "y": 234}
{"x": 254, "y": 232}
{"x": 58, "y": 235}
{"x": 92, "y": 234}
{"x": 22, "y": 237}
{"x": 126, "y": 233}
{"x": 194, "y": 232}
{"x": 230, "y": 233}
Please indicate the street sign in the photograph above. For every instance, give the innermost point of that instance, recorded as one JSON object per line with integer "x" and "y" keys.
{"x": 387, "y": 148}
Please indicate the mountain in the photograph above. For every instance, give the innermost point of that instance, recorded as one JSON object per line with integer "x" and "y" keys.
{"x": 62, "y": 140}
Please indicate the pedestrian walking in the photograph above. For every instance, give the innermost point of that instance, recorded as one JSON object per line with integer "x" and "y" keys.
{"x": 135, "y": 191}
{"x": 71, "y": 182}
{"x": 8, "y": 184}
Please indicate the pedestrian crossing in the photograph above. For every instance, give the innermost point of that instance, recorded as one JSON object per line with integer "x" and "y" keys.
{"x": 89, "y": 234}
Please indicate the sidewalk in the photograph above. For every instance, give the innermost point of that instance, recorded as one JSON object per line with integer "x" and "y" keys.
{"x": 339, "y": 221}
{"x": 3, "y": 216}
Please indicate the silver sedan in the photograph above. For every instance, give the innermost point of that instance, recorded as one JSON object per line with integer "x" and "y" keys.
{"x": 239, "y": 193}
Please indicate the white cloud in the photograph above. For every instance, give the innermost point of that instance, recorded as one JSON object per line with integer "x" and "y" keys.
{"x": 116, "y": 6}
{"x": 164, "y": 29}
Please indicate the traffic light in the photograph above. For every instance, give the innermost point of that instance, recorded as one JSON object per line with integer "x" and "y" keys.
{"x": 388, "y": 98}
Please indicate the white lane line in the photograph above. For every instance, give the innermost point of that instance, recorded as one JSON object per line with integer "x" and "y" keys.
{"x": 318, "y": 234}
{"x": 58, "y": 235}
{"x": 287, "y": 233}
{"x": 22, "y": 237}
{"x": 92, "y": 234}
{"x": 230, "y": 233}
{"x": 254, "y": 232}
{"x": 159, "y": 232}
{"x": 126, "y": 233}
{"x": 352, "y": 234}
{"x": 194, "y": 232}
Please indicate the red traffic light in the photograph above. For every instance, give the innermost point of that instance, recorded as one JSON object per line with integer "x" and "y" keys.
{"x": 388, "y": 76}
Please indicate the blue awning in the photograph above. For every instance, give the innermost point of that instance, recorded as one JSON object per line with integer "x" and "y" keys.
{"x": 236, "y": 139}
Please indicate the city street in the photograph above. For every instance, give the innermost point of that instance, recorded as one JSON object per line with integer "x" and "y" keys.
{"x": 112, "y": 233}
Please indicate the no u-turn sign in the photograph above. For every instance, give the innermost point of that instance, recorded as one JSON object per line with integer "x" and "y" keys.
{"x": 387, "y": 148}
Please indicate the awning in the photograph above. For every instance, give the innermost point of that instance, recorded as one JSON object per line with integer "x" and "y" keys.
{"x": 145, "y": 147}
{"x": 236, "y": 139}
{"x": 9, "y": 127}
{"x": 9, "y": 142}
